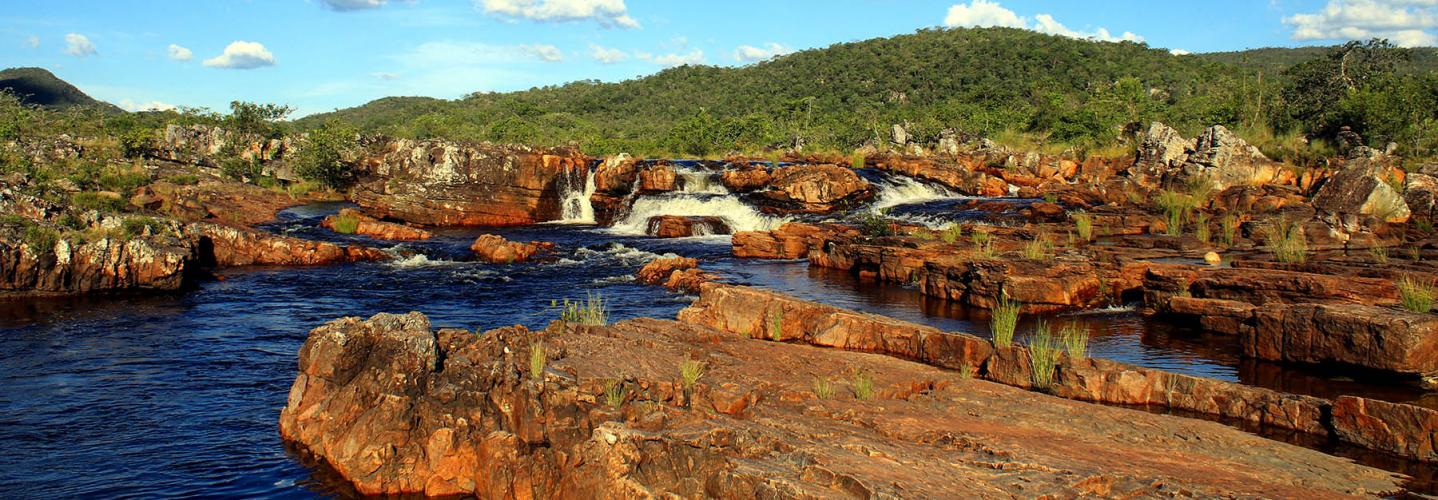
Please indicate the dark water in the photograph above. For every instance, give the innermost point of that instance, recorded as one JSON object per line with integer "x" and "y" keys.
{"x": 179, "y": 395}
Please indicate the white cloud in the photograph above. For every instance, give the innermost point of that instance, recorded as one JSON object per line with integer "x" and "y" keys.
{"x": 982, "y": 13}
{"x": 695, "y": 56}
{"x": 79, "y": 45}
{"x": 610, "y": 13}
{"x": 384, "y": 75}
{"x": 1044, "y": 23}
{"x": 348, "y": 5}
{"x": 1179, "y": 52}
{"x": 1407, "y": 23}
{"x": 148, "y": 106}
{"x": 32, "y": 41}
{"x": 179, "y": 53}
{"x": 548, "y": 53}
{"x": 242, "y": 55}
{"x": 749, "y": 53}
{"x": 607, "y": 55}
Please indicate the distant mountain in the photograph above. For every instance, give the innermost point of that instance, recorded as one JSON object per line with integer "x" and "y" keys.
{"x": 1275, "y": 59}
{"x": 42, "y": 88}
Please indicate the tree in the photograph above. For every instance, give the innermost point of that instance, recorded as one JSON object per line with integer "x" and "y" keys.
{"x": 1316, "y": 87}
{"x": 258, "y": 119}
{"x": 322, "y": 158}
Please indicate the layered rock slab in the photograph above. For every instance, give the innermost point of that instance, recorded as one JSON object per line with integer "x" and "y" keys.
{"x": 395, "y": 407}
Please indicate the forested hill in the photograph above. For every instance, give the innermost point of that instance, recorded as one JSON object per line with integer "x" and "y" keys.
{"x": 995, "y": 82}
{"x": 39, "y": 87}
{"x": 1274, "y": 60}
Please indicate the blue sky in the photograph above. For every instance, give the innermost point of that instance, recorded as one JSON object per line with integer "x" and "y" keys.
{"x": 318, "y": 55}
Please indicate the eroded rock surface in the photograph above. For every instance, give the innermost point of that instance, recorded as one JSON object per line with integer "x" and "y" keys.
{"x": 375, "y": 228}
{"x": 228, "y": 246}
{"x": 496, "y": 249}
{"x": 397, "y": 408}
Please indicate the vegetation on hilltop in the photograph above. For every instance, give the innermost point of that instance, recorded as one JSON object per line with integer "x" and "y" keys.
{"x": 39, "y": 87}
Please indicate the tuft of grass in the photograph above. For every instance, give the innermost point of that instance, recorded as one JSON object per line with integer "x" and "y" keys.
{"x": 1175, "y": 206}
{"x": 40, "y": 239}
{"x": 346, "y": 224}
{"x": 1038, "y": 248}
{"x": 1043, "y": 354}
{"x": 537, "y": 360}
{"x": 1424, "y": 225}
{"x": 1286, "y": 240}
{"x": 776, "y": 325}
{"x": 875, "y": 225}
{"x": 1415, "y": 295}
{"x": 135, "y": 227}
{"x": 1075, "y": 340}
{"x": 614, "y": 393}
{"x": 856, "y": 160}
{"x": 863, "y": 385}
{"x": 984, "y": 243}
{"x": 1228, "y": 227}
{"x": 1415, "y": 254}
{"x": 1083, "y": 223}
{"x": 183, "y": 179}
{"x": 966, "y": 370}
{"x": 1379, "y": 254}
{"x": 591, "y": 311}
{"x": 823, "y": 388}
{"x": 1201, "y": 230}
{"x": 87, "y": 200}
{"x": 690, "y": 371}
{"x": 952, "y": 233}
{"x": 1004, "y": 318}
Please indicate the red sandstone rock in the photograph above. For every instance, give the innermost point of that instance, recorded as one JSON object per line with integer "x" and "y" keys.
{"x": 1404, "y": 430}
{"x": 375, "y": 228}
{"x": 226, "y": 246}
{"x": 745, "y": 179}
{"x": 107, "y": 264}
{"x": 790, "y": 241}
{"x": 658, "y": 270}
{"x": 657, "y": 179}
{"x": 496, "y": 249}
{"x": 817, "y": 188}
{"x": 1369, "y": 336}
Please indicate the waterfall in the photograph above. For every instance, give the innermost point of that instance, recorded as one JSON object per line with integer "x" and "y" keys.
{"x": 737, "y": 215}
{"x": 896, "y": 190}
{"x": 701, "y": 182}
{"x": 574, "y": 202}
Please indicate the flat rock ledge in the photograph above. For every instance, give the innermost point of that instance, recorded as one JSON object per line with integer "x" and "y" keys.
{"x": 396, "y": 407}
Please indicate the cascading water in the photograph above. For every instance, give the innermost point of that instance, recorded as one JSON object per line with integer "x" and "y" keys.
{"x": 575, "y": 204}
{"x": 700, "y": 182}
{"x": 735, "y": 213}
{"x": 898, "y": 190}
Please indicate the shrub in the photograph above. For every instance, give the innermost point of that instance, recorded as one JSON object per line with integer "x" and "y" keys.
{"x": 1075, "y": 340}
{"x": 776, "y": 325}
{"x": 1043, "y": 354}
{"x": 1083, "y": 223}
{"x": 1003, "y": 319}
{"x": 321, "y": 158}
{"x": 875, "y": 225}
{"x": 135, "y": 227}
{"x": 1287, "y": 241}
{"x": 87, "y": 200}
{"x": 823, "y": 387}
{"x": 614, "y": 393}
{"x": 346, "y": 224}
{"x": 1416, "y": 296}
{"x": 862, "y": 385}
{"x": 952, "y": 233}
{"x": 690, "y": 371}
{"x": 537, "y": 360}
{"x": 41, "y": 240}
{"x": 240, "y": 169}
{"x": 183, "y": 179}
{"x": 591, "y": 311}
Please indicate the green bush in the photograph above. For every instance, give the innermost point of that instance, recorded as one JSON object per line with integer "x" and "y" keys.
{"x": 41, "y": 240}
{"x": 322, "y": 157}
{"x": 347, "y": 224}
{"x": 86, "y": 200}
{"x": 875, "y": 225}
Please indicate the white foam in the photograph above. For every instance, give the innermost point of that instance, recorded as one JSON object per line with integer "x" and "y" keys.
{"x": 419, "y": 260}
{"x": 574, "y": 203}
{"x": 737, "y": 215}
{"x": 701, "y": 182}
{"x": 901, "y": 190}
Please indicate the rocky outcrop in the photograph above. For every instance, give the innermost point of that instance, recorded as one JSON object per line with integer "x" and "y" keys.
{"x": 1373, "y": 337}
{"x": 356, "y": 222}
{"x": 965, "y": 176}
{"x": 1225, "y": 159}
{"x": 1161, "y": 150}
{"x": 675, "y": 273}
{"x": 791, "y": 241}
{"x": 678, "y": 226}
{"x": 229, "y": 246}
{"x": 107, "y": 264}
{"x": 1404, "y": 430}
{"x": 746, "y": 178}
{"x": 232, "y": 203}
{"x": 659, "y": 178}
{"x": 396, "y": 408}
{"x": 816, "y": 188}
{"x": 1359, "y": 190}
{"x": 496, "y": 249}
{"x": 440, "y": 183}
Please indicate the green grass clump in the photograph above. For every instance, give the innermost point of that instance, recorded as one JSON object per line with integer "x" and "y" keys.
{"x": 1004, "y": 318}
{"x": 123, "y": 182}
{"x": 1201, "y": 230}
{"x": 346, "y": 224}
{"x": 690, "y": 371}
{"x": 1416, "y": 296}
{"x": 183, "y": 179}
{"x": 1083, "y": 223}
{"x": 1043, "y": 354}
{"x": 862, "y": 385}
{"x": 41, "y": 240}
{"x": 1075, "y": 340}
{"x": 537, "y": 360}
{"x": 875, "y": 225}
{"x": 1287, "y": 241}
{"x": 952, "y": 233}
{"x": 856, "y": 160}
{"x": 1175, "y": 206}
{"x": 1038, "y": 248}
{"x": 614, "y": 393}
{"x": 87, "y": 200}
{"x": 776, "y": 325}
{"x": 135, "y": 227}
{"x": 591, "y": 311}
{"x": 1228, "y": 227}
{"x": 966, "y": 371}
{"x": 823, "y": 388}
{"x": 1379, "y": 254}
{"x": 984, "y": 243}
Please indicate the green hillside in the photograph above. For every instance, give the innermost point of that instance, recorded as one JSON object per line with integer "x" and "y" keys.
{"x": 1273, "y": 60}
{"x": 36, "y": 86}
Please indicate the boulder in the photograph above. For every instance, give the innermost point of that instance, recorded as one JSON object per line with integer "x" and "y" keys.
{"x": 1161, "y": 151}
{"x": 496, "y": 249}
{"x": 817, "y": 188}
{"x": 675, "y": 273}
{"x": 440, "y": 183}
{"x": 375, "y": 228}
{"x": 1225, "y": 159}
{"x": 679, "y": 226}
{"x": 658, "y": 179}
{"x": 1358, "y": 190}
{"x": 791, "y": 241}
{"x": 108, "y": 264}
{"x": 1373, "y": 337}
{"x": 1421, "y": 194}
{"x": 745, "y": 179}
{"x": 1405, "y": 430}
